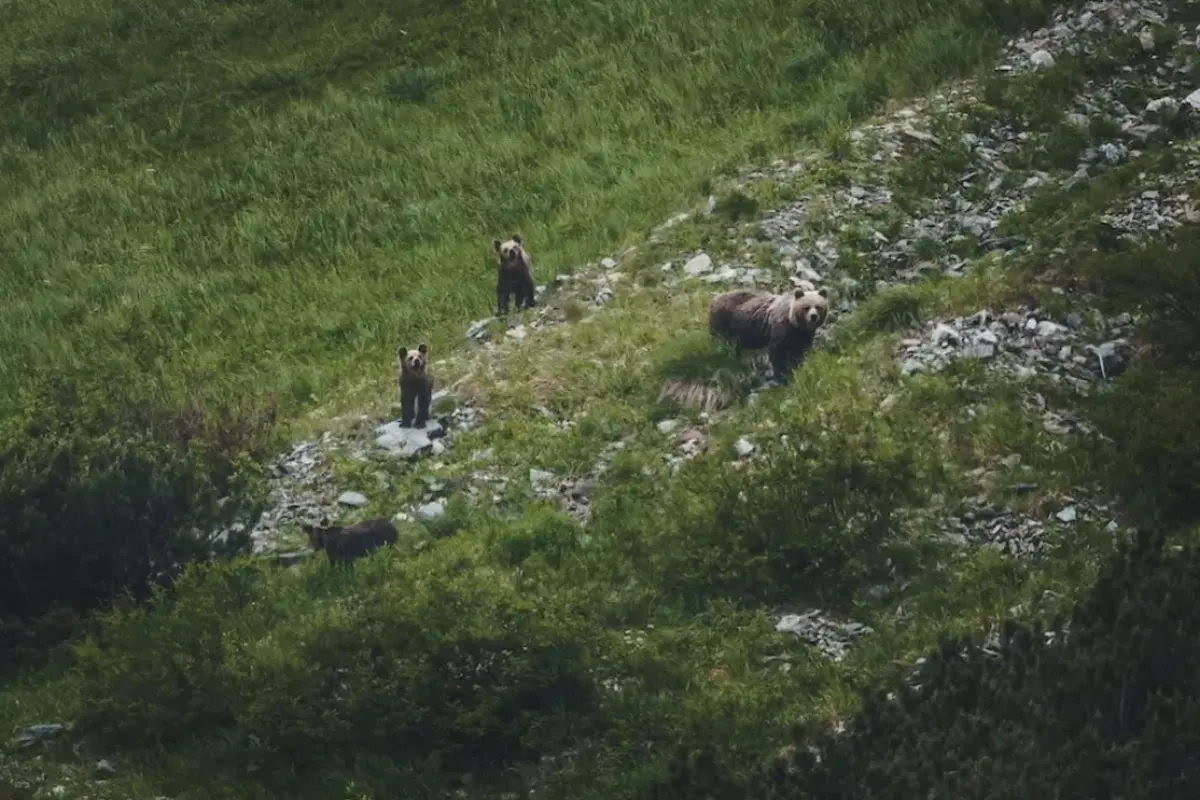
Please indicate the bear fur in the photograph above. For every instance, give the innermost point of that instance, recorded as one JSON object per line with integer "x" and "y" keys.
{"x": 784, "y": 324}
{"x": 344, "y": 544}
{"x": 514, "y": 276}
{"x": 416, "y": 385}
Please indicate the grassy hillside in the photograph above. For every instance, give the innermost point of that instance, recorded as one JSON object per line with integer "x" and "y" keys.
{"x": 228, "y": 198}
{"x": 1006, "y": 393}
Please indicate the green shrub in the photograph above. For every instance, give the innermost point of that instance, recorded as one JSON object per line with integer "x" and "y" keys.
{"x": 813, "y": 519}
{"x": 94, "y": 503}
{"x": 1152, "y": 455}
{"x": 1105, "y": 713}
{"x": 450, "y": 664}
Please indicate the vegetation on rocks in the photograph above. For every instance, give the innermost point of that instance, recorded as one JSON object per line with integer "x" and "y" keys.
{"x": 950, "y": 557}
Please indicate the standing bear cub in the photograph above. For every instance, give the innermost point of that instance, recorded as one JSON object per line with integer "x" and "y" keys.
{"x": 785, "y": 324}
{"x": 514, "y": 275}
{"x": 416, "y": 385}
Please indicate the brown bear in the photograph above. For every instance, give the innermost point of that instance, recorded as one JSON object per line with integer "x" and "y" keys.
{"x": 514, "y": 275}
{"x": 785, "y": 324}
{"x": 342, "y": 545}
{"x": 416, "y": 385}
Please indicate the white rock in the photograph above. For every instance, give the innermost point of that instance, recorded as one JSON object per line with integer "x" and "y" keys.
{"x": 743, "y": 447}
{"x": 1068, "y": 514}
{"x": 667, "y": 425}
{"x": 353, "y": 499}
{"x": 517, "y": 334}
{"x": 431, "y": 511}
{"x": 608, "y": 263}
{"x": 1193, "y": 100}
{"x": 1041, "y": 59}
{"x": 698, "y": 265}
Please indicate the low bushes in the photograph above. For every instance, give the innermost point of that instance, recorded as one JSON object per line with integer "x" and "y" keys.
{"x": 96, "y": 502}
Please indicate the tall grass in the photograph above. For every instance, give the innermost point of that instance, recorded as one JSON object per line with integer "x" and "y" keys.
{"x": 226, "y": 197}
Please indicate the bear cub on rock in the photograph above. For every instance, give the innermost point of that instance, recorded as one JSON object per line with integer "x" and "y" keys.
{"x": 785, "y": 324}
{"x": 416, "y": 385}
{"x": 514, "y": 275}
{"x": 342, "y": 545}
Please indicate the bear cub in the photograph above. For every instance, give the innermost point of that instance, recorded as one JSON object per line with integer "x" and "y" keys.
{"x": 416, "y": 385}
{"x": 514, "y": 275}
{"x": 342, "y": 545}
{"x": 785, "y": 324}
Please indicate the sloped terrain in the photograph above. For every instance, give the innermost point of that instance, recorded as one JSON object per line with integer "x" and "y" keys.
{"x": 591, "y": 580}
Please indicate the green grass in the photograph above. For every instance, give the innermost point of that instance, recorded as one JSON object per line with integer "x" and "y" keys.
{"x": 223, "y": 199}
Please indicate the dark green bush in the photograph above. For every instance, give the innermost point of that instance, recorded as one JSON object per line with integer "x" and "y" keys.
{"x": 814, "y": 518}
{"x": 1152, "y": 458}
{"x": 1106, "y": 713}
{"x": 94, "y": 502}
{"x": 449, "y": 665}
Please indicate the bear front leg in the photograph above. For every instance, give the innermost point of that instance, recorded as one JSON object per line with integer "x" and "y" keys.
{"x": 423, "y": 407}
{"x": 528, "y": 290}
{"x": 783, "y": 364}
{"x": 407, "y": 400}
{"x": 502, "y": 293}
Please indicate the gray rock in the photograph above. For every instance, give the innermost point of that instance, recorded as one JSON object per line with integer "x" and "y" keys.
{"x": 428, "y": 512}
{"x": 540, "y": 477}
{"x": 478, "y": 330}
{"x": 1068, "y": 514}
{"x": 743, "y": 447}
{"x": 517, "y": 333}
{"x": 608, "y": 263}
{"x": 407, "y": 442}
{"x": 698, "y": 265}
{"x": 1050, "y": 330}
{"x": 833, "y": 638}
{"x": 36, "y": 734}
{"x": 1193, "y": 100}
{"x": 353, "y": 499}
{"x": 982, "y": 352}
{"x": 944, "y": 333}
{"x": 667, "y": 425}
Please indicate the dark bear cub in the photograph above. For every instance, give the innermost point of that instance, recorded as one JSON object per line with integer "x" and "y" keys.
{"x": 416, "y": 385}
{"x": 342, "y": 545}
{"x": 514, "y": 275}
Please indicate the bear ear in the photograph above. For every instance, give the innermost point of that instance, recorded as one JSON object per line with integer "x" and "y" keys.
{"x": 422, "y": 348}
{"x": 516, "y": 237}
{"x": 496, "y": 245}
{"x": 823, "y": 292}
{"x": 797, "y": 293}
{"x": 402, "y": 352}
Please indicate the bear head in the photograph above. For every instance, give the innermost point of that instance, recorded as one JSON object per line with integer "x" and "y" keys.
{"x": 512, "y": 254}
{"x": 320, "y": 533}
{"x": 414, "y": 362}
{"x": 809, "y": 309}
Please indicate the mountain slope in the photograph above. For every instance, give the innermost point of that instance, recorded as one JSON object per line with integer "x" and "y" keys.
{"x": 588, "y": 580}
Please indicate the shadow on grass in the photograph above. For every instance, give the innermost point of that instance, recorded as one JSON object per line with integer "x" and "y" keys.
{"x": 698, "y": 371}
